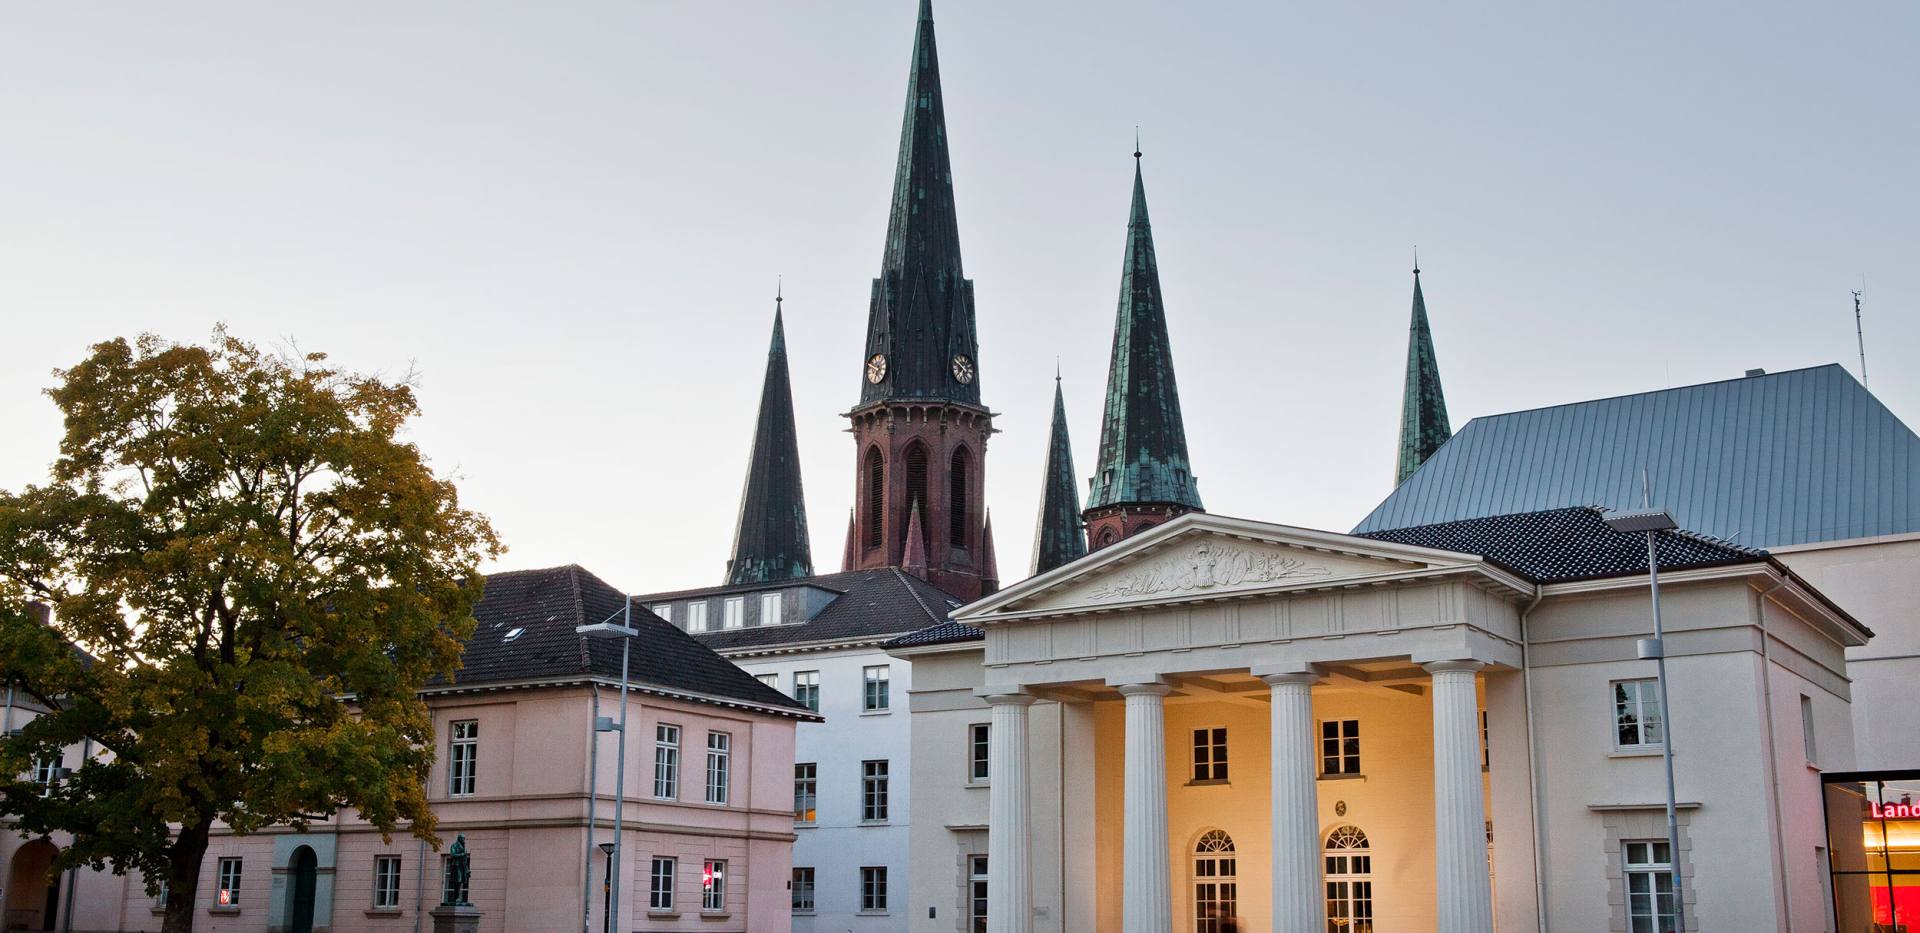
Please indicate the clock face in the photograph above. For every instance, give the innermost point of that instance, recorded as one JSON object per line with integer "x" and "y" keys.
{"x": 876, "y": 368}
{"x": 963, "y": 369}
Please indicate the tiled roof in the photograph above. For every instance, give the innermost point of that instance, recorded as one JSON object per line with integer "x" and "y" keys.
{"x": 525, "y": 632}
{"x": 871, "y": 604}
{"x": 941, "y": 634}
{"x": 1561, "y": 545}
{"x": 1768, "y": 460}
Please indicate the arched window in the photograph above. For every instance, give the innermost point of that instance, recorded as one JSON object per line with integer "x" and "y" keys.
{"x": 1107, "y": 536}
{"x": 1216, "y": 886}
{"x": 876, "y": 476}
{"x": 917, "y": 483}
{"x": 957, "y": 479}
{"x": 1349, "y": 876}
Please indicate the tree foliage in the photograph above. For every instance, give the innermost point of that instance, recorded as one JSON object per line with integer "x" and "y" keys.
{"x": 251, "y": 573}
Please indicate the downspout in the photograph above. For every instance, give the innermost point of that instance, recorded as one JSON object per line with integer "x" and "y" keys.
{"x": 1773, "y": 752}
{"x": 420, "y": 888}
{"x": 1533, "y": 763}
{"x": 1060, "y": 723}
{"x": 593, "y": 794}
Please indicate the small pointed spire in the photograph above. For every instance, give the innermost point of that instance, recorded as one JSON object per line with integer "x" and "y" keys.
{"x": 770, "y": 538}
{"x": 914, "y": 561}
{"x": 851, "y": 556}
{"x": 989, "y": 565}
{"x": 1058, "y": 536}
{"x": 1423, "y": 406}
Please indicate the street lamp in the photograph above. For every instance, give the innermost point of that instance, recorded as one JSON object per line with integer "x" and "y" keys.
{"x": 1651, "y": 521}
{"x": 624, "y": 631}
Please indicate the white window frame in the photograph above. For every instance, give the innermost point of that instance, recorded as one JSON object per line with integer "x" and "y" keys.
{"x": 697, "y": 616}
{"x": 770, "y": 608}
{"x": 1344, "y": 757}
{"x": 1808, "y": 735}
{"x": 46, "y": 773}
{"x": 1346, "y": 863}
{"x": 666, "y": 761}
{"x": 876, "y": 688}
{"x": 873, "y": 889}
{"x": 226, "y": 883}
{"x": 1649, "y": 869}
{"x": 977, "y": 893}
{"x": 386, "y": 882}
{"x": 806, "y": 792}
{"x": 160, "y": 899}
{"x": 660, "y": 877}
{"x": 979, "y": 753}
{"x": 719, "y": 767}
{"x": 713, "y": 893}
{"x": 733, "y": 612}
{"x": 771, "y": 680}
{"x": 1216, "y": 882}
{"x": 803, "y": 889}
{"x": 663, "y": 610}
{"x": 875, "y": 789}
{"x": 806, "y": 689}
{"x": 1635, "y": 697}
{"x": 1210, "y": 755}
{"x": 463, "y": 757}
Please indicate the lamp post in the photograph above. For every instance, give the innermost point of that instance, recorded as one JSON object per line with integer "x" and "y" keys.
{"x": 624, "y": 631}
{"x": 1652, "y": 521}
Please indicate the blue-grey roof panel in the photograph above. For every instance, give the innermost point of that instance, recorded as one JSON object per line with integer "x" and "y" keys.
{"x": 1784, "y": 458}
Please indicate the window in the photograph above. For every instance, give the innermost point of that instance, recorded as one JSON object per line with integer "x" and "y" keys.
{"x": 660, "y": 885}
{"x": 719, "y": 758}
{"x": 873, "y": 791}
{"x": 226, "y": 892}
{"x": 806, "y": 689}
{"x": 771, "y": 680}
{"x": 978, "y": 745}
{"x": 875, "y": 697}
{"x": 386, "y": 882}
{"x": 1209, "y": 755}
{"x": 1216, "y": 884}
{"x": 453, "y": 889}
{"x": 769, "y": 608}
{"x": 1349, "y": 879}
{"x": 160, "y": 899}
{"x": 917, "y": 483}
{"x": 713, "y": 886}
{"x": 1340, "y": 746}
{"x": 697, "y": 617}
{"x": 806, "y": 792}
{"x": 663, "y": 610}
{"x": 803, "y": 890}
{"x": 463, "y": 748}
{"x": 876, "y": 497}
{"x": 957, "y": 498}
{"x": 733, "y": 612}
{"x": 1636, "y": 714}
{"x": 873, "y": 889}
{"x": 1486, "y": 747}
{"x": 1806, "y": 726}
{"x": 1649, "y": 873}
{"x": 666, "y": 762}
{"x": 46, "y": 773}
{"x": 977, "y": 893}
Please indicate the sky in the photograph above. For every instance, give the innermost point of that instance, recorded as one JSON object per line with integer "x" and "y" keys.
{"x": 568, "y": 220}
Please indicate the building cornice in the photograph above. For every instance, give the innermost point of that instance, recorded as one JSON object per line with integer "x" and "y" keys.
{"x": 458, "y": 689}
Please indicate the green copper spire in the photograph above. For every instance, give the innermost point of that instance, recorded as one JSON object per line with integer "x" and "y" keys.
{"x": 770, "y": 541}
{"x": 1057, "y": 536}
{"x": 1143, "y": 443}
{"x": 1423, "y": 407}
{"x": 920, "y": 322}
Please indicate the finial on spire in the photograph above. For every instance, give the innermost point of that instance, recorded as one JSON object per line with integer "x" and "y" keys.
{"x": 779, "y": 288}
{"x": 1416, "y": 259}
{"x": 1056, "y": 368}
{"x": 1136, "y": 140}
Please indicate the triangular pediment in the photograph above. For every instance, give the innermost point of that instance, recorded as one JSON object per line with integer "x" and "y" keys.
{"x": 1202, "y": 557}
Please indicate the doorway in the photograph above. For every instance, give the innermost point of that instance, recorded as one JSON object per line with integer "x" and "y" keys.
{"x": 33, "y": 890}
{"x": 1216, "y": 884}
{"x": 303, "y": 876}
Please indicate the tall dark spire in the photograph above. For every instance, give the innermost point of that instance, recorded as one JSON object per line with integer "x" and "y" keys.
{"x": 770, "y": 542}
{"x": 1423, "y": 407}
{"x": 1058, "y": 537}
{"x": 1143, "y": 442}
{"x": 920, "y": 325}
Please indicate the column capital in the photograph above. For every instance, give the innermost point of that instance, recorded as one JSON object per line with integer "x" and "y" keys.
{"x": 1005, "y": 696}
{"x": 1289, "y": 672}
{"x": 1469, "y": 665}
{"x": 1155, "y": 687}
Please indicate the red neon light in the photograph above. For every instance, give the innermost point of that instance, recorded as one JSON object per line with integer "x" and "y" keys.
{"x": 706, "y": 878}
{"x": 1894, "y": 811}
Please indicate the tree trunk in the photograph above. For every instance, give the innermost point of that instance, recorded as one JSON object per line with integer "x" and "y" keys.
{"x": 189, "y": 849}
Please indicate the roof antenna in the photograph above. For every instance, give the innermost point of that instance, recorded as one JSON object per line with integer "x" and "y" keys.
{"x": 1858, "y": 333}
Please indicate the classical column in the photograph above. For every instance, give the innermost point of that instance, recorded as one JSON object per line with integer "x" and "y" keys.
{"x": 1299, "y": 905}
{"x": 1147, "y": 894}
{"x": 1464, "y": 892}
{"x": 1009, "y": 823}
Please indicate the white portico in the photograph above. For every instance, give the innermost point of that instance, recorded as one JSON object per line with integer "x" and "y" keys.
{"x": 1224, "y": 725}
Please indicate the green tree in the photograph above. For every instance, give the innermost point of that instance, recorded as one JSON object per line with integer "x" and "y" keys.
{"x": 251, "y": 574}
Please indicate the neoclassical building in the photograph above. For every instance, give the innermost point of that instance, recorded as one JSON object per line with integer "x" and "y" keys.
{"x": 1446, "y": 727}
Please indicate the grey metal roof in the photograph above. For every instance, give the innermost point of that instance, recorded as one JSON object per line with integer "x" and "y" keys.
{"x": 1769, "y": 460}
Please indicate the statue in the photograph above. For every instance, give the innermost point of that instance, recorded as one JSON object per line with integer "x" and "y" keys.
{"x": 454, "y": 893}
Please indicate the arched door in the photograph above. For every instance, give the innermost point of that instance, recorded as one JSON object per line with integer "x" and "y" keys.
{"x": 1216, "y": 884}
{"x": 303, "y": 874}
{"x": 1349, "y": 876}
{"x": 33, "y": 890}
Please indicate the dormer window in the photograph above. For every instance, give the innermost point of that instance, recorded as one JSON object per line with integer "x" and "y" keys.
{"x": 512, "y": 634}
{"x": 769, "y": 608}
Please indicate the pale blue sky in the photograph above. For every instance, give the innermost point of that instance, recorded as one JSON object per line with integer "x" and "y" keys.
{"x": 569, "y": 217}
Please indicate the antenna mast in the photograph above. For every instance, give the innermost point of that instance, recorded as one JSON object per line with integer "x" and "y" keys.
{"x": 1860, "y": 335}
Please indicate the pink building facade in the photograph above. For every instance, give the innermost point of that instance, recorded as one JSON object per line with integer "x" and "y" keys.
{"x": 708, "y": 824}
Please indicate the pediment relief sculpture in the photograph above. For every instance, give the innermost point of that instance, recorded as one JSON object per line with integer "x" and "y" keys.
{"x": 1207, "y": 565}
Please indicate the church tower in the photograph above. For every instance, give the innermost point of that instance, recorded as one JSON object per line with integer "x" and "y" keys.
{"x": 770, "y": 541}
{"x": 1423, "y": 407}
{"x": 920, "y": 430}
{"x": 1142, "y": 477}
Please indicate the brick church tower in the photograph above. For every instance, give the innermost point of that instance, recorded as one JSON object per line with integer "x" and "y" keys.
{"x": 920, "y": 430}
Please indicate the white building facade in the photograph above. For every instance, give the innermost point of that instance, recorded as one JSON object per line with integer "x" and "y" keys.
{"x": 1225, "y": 725}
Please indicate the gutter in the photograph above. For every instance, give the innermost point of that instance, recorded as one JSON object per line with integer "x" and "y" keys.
{"x": 1533, "y": 766}
{"x": 1773, "y": 756}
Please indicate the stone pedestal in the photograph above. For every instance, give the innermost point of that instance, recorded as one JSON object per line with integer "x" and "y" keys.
{"x": 463, "y": 919}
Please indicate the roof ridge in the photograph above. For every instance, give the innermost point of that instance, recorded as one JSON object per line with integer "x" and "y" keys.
{"x": 916, "y": 595}
{"x": 1696, "y": 385}
{"x": 580, "y": 616}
